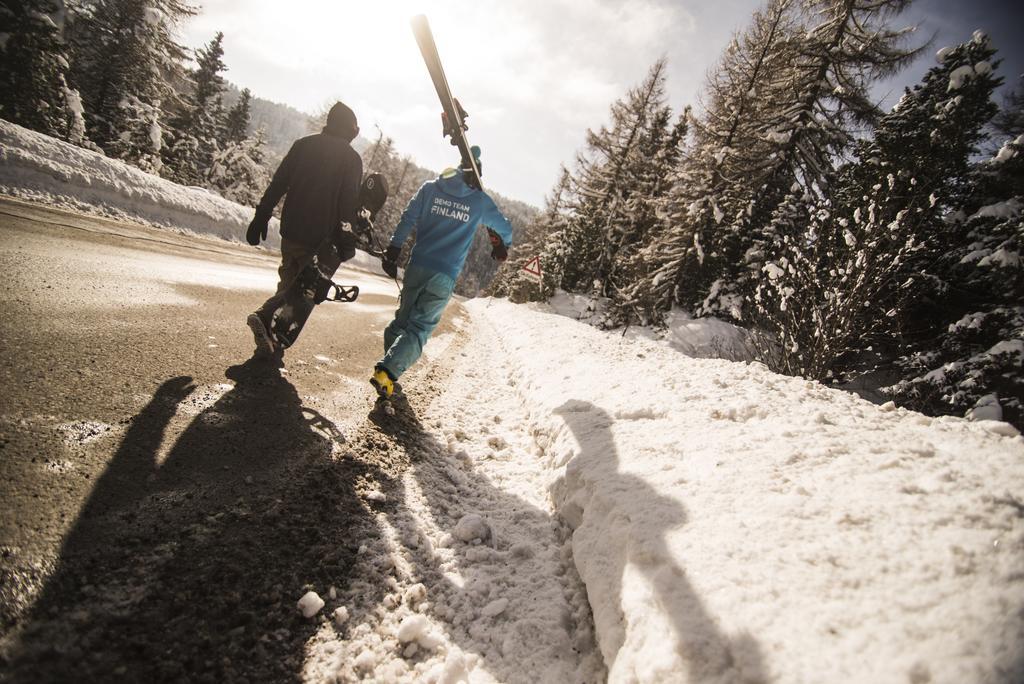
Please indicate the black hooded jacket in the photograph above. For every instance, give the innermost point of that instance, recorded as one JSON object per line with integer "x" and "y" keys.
{"x": 320, "y": 176}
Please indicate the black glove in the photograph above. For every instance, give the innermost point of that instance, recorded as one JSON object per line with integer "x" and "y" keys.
{"x": 345, "y": 244}
{"x": 257, "y": 230}
{"x": 389, "y": 262}
{"x": 499, "y": 252}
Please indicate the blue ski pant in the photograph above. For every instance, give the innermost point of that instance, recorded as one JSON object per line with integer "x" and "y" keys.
{"x": 424, "y": 295}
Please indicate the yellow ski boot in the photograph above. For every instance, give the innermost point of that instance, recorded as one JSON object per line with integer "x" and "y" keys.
{"x": 384, "y": 385}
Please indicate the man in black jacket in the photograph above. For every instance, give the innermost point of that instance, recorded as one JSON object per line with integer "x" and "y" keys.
{"x": 320, "y": 176}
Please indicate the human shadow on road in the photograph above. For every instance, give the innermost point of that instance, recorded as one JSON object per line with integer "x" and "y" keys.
{"x": 709, "y": 654}
{"x": 186, "y": 563}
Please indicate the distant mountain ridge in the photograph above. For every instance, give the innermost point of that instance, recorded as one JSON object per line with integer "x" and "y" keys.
{"x": 282, "y": 124}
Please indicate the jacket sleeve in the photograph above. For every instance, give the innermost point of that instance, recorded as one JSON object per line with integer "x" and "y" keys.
{"x": 496, "y": 221}
{"x": 410, "y": 217}
{"x": 278, "y": 185}
{"x": 348, "y": 193}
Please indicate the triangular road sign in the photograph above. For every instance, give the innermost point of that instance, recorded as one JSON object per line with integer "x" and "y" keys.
{"x": 532, "y": 269}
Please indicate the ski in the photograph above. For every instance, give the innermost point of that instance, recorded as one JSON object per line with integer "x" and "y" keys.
{"x": 454, "y": 116}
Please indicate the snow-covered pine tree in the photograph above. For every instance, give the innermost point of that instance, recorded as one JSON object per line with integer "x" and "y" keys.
{"x": 646, "y": 211}
{"x": 541, "y": 237}
{"x": 852, "y": 271}
{"x": 34, "y": 65}
{"x": 141, "y": 141}
{"x": 722, "y": 169}
{"x": 124, "y": 58}
{"x": 964, "y": 322}
{"x": 841, "y": 49}
{"x": 237, "y": 171}
{"x": 197, "y": 128}
{"x": 645, "y": 183}
{"x": 783, "y": 105}
{"x": 606, "y": 171}
{"x": 236, "y": 123}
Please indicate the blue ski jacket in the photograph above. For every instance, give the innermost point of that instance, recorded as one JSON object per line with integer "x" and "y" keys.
{"x": 445, "y": 214}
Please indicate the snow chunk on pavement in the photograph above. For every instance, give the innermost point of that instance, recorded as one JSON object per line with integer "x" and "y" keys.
{"x": 456, "y": 668}
{"x": 411, "y": 628}
{"x": 417, "y": 628}
{"x": 310, "y": 604}
{"x": 415, "y": 594}
{"x": 471, "y": 527}
{"x": 340, "y": 615}
{"x": 366, "y": 661}
{"x": 495, "y": 608}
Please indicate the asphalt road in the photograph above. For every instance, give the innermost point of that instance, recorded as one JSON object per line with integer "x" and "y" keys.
{"x": 163, "y": 496}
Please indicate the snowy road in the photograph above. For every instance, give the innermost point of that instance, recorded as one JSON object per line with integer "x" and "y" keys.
{"x": 166, "y": 503}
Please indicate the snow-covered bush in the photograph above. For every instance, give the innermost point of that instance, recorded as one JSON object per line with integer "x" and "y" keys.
{"x": 864, "y": 266}
{"x": 237, "y": 172}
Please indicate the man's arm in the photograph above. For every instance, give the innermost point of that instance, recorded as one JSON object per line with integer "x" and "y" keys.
{"x": 278, "y": 185}
{"x": 275, "y": 191}
{"x": 499, "y": 231}
{"x": 496, "y": 222}
{"x": 410, "y": 217}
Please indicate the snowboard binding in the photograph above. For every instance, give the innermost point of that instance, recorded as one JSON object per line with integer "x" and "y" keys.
{"x": 317, "y": 287}
{"x": 453, "y": 129}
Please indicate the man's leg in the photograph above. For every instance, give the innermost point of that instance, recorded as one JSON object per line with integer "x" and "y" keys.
{"x": 411, "y": 289}
{"x": 294, "y": 257}
{"x": 424, "y": 297}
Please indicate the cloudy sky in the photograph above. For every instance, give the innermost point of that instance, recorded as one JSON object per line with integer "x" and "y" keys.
{"x": 533, "y": 74}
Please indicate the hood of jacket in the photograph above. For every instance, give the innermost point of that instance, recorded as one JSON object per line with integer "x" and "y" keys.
{"x": 450, "y": 181}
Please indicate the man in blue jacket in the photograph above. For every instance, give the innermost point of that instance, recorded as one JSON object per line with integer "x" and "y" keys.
{"x": 445, "y": 213}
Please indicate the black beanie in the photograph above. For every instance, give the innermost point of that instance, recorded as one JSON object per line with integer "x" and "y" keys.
{"x": 341, "y": 120}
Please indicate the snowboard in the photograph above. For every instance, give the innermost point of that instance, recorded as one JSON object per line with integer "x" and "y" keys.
{"x": 314, "y": 285}
{"x": 453, "y": 117}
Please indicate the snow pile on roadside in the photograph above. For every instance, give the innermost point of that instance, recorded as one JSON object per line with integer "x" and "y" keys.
{"x": 731, "y": 524}
{"x": 701, "y": 338}
{"x": 37, "y": 167}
